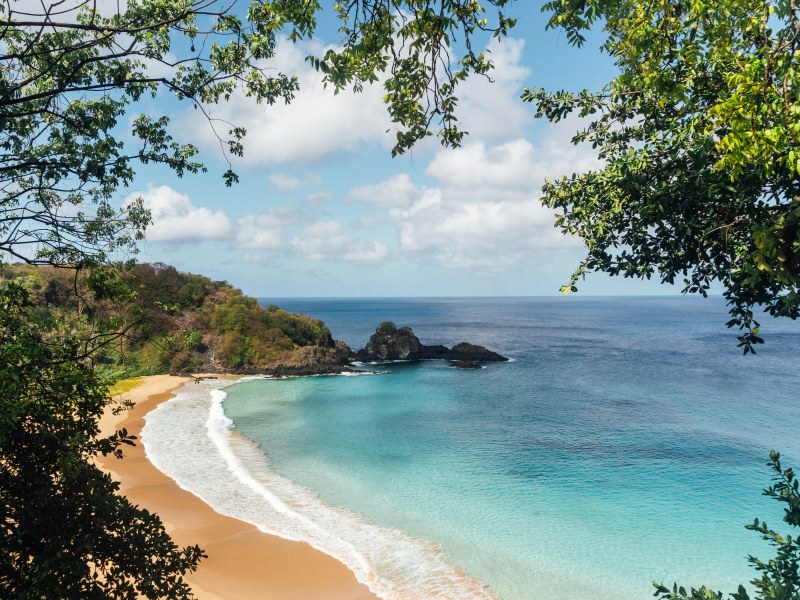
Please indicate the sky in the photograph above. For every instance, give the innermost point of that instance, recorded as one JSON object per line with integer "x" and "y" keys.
{"x": 323, "y": 210}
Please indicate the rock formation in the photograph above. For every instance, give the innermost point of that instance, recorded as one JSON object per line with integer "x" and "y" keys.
{"x": 399, "y": 343}
{"x": 467, "y": 364}
{"x": 313, "y": 360}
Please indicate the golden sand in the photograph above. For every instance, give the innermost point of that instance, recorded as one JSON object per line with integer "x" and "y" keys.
{"x": 242, "y": 561}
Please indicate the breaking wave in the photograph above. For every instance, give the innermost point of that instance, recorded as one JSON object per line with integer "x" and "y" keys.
{"x": 190, "y": 439}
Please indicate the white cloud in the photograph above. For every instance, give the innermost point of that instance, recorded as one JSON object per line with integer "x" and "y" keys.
{"x": 396, "y": 192}
{"x": 265, "y": 230}
{"x": 284, "y": 229}
{"x": 328, "y": 240}
{"x": 320, "y": 240}
{"x": 176, "y": 219}
{"x": 318, "y": 123}
{"x": 368, "y": 222}
{"x": 477, "y": 209}
{"x": 492, "y": 110}
{"x": 364, "y": 251}
{"x": 65, "y": 11}
{"x": 315, "y": 124}
{"x": 476, "y": 166}
{"x": 291, "y": 231}
{"x": 484, "y": 212}
{"x": 285, "y": 183}
{"x": 165, "y": 68}
{"x": 429, "y": 202}
{"x": 317, "y": 199}
{"x": 486, "y": 234}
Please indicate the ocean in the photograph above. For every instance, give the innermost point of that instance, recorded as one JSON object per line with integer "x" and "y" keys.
{"x": 625, "y": 442}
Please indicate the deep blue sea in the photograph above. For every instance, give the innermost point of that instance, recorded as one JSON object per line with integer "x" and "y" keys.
{"x": 625, "y": 442}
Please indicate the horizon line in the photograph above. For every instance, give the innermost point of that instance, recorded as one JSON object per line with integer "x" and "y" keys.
{"x": 519, "y": 296}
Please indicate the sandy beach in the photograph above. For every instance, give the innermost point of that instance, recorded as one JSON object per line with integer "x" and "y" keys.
{"x": 242, "y": 561}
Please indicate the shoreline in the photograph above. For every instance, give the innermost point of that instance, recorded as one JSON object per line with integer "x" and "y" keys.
{"x": 242, "y": 562}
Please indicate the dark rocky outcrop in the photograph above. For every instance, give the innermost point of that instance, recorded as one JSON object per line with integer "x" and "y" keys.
{"x": 399, "y": 343}
{"x": 473, "y": 352}
{"x": 391, "y": 343}
{"x": 467, "y": 364}
{"x": 313, "y": 360}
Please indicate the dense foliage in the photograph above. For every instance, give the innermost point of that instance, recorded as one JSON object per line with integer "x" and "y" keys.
{"x": 64, "y": 531}
{"x": 700, "y": 135}
{"x": 171, "y": 322}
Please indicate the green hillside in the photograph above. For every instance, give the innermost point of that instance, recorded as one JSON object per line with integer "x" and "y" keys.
{"x": 175, "y": 322}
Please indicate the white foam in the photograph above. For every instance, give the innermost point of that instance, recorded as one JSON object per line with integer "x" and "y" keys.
{"x": 360, "y": 373}
{"x": 342, "y": 374}
{"x": 191, "y": 440}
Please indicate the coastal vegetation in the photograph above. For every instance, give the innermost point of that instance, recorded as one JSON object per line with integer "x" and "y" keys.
{"x": 66, "y": 531}
{"x": 173, "y": 322}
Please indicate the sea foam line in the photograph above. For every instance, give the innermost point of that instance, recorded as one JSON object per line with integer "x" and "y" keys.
{"x": 190, "y": 439}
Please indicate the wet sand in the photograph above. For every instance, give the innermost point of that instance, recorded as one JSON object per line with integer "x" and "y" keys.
{"x": 243, "y": 562}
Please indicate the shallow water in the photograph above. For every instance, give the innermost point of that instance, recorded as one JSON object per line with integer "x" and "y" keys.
{"x": 626, "y": 442}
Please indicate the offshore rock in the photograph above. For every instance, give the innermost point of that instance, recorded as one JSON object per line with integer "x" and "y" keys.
{"x": 467, "y": 364}
{"x": 390, "y": 342}
{"x": 472, "y": 352}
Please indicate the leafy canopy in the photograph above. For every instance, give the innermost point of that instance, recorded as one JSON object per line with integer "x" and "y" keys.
{"x": 700, "y": 138}
{"x": 65, "y": 531}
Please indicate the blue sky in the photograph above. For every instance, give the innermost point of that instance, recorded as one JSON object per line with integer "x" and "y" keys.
{"x": 323, "y": 210}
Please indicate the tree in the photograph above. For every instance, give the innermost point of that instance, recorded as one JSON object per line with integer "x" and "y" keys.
{"x": 778, "y": 578}
{"x": 65, "y": 531}
{"x": 700, "y": 138}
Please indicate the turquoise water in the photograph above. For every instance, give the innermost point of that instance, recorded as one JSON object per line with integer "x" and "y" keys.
{"x": 626, "y": 441}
